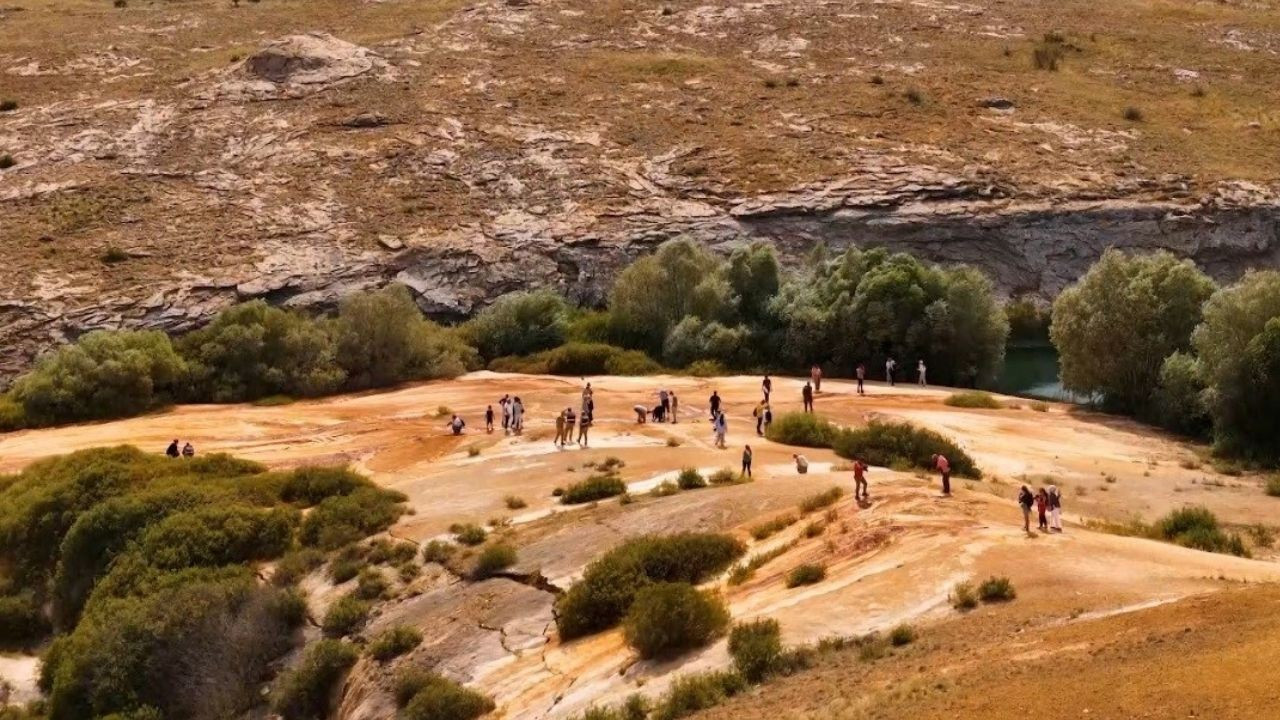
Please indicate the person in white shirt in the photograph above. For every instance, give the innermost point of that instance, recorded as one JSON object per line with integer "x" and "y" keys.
{"x": 802, "y": 464}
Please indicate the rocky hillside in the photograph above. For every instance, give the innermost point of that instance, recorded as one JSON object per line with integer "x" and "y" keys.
{"x": 169, "y": 158}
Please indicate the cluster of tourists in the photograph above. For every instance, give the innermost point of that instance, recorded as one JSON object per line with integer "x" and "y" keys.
{"x": 1047, "y": 502}
{"x": 512, "y": 409}
{"x": 667, "y": 409}
{"x": 186, "y": 451}
{"x": 890, "y": 367}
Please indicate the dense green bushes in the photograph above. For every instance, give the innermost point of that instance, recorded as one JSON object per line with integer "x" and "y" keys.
{"x": 428, "y": 696}
{"x": 973, "y": 399}
{"x": 305, "y": 693}
{"x": 610, "y": 583}
{"x": 493, "y": 559}
{"x": 394, "y": 642}
{"x": 345, "y": 616}
{"x": 803, "y": 429}
{"x": 148, "y": 564}
{"x": 596, "y": 487}
{"x": 895, "y": 444}
{"x": 519, "y": 323}
{"x": 667, "y": 618}
{"x": 578, "y": 358}
{"x": 1197, "y": 527}
{"x": 756, "y": 648}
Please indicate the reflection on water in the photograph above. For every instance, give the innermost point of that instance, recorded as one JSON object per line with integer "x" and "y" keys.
{"x": 1032, "y": 371}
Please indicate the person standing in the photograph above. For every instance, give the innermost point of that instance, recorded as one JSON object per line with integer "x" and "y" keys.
{"x": 746, "y": 460}
{"x": 584, "y": 424}
{"x": 559, "y": 429}
{"x": 920, "y": 371}
{"x": 664, "y": 398}
{"x": 860, "y": 489}
{"x": 1025, "y": 500}
{"x": 862, "y": 375}
{"x": 889, "y": 366}
{"x": 767, "y": 387}
{"x": 943, "y": 466}
{"x": 569, "y": 421}
{"x": 505, "y": 404}
{"x": 1055, "y": 509}
{"x": 806, "y": 395}
{"x": 172, "y": 450}
{"x": 588, "y": 396}
{"x": 758, "y": 414}
{"x": 768, "y": 418}
{"x": 721, "y": 425}
{"x": 517, "y": 416}
{"x": 488, "y": 419}
{"x": 715, "y": 404}
{"x": 815, "y": 374}
{"x": 1042, "y": 507}
{"x": 675, "y": 407}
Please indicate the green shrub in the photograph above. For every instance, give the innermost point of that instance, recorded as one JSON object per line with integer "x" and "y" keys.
{"x": 820, "y": 500}
{"x": 589, "y": 326}
{"x": 806, "y": 574}
{"x": 371, "y": 584}
{"x": 305, "y": 692}
{"x": 340, "y": 520}
{"x": 770, "y": 527}
{"x": 744, "y": 572}
{"x": 609, "y": 584}
{"x": 438, "y": 698}
{"x": 693, "y": 692}
{"x": 274, "y": 401}
{"x": 897, "y": 443}
{"x": 21, "y": 620}
{"x": 382, "y": 552}
{"x": 632, "y": 362}
{"x": 296, "y": 565}
{"x": 595, "y": 487}
{"x": 514, "y": 502}
{"x": 290, "y": 607}
{"x": 213, "y": 536}
{"x": 345, "y": 616}
{"x": 1039, "y": 406}
{"x": 756, "y": 648}
{"x": 690, "y": 479}
{"x": 1272, "y": 486}
{"x": 902, "y": 635}
{"x": 973, "y": 399}
{"x": 665, "y": 489}
{"x": 519, "y": 323}
{"x": 803, "y": 429}
{"x": 494, "y": 559}
{"x": 1197, "y": 527}
{"x": 666, "y": 619}
{"x": 706, "y": 368}
{"x": 996, "y": 589}
{"x": 438, "y": 551}
{"x": 309, "y": 486}
{"x": 12, "y": 416}
{"x": 814, "y": 529}
{"x": 394, "y": 642}
{"x": 725, "y": 476}
{"x": 342, "y": 569}
{"x": 468, "y": 533}
{"x": 963, "y": 596}
{"x": 104, "y": 374}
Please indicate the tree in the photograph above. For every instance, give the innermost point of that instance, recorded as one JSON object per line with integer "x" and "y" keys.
{"x": 1178, "y": 403}
{"x": 519, "y": 323}
{"x": 1114, "y": 328}
{"x": 254, "y": 350}
{"x": 967, "y": 329}
{"x": 755, "y": 277}
{"x": 654, "y": 293}
{"x": 1236, "y": 346}
{"x": 105, "y": 374}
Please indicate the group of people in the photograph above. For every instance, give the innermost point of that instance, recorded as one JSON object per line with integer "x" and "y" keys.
{"x": 512, "y": 409}
{"x": 1048, "y": 504}
{"x": 667, "y": 409}
{"x": 565, "y": 422}
{"x": 891, "y": 366}
{"x": 186, "y": 451}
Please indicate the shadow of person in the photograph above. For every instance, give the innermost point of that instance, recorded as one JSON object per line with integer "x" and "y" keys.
{"x": 864, "y": 503}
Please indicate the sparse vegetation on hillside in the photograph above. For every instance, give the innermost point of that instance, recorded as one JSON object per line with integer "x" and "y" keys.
{"x": 596, "y": 487}
{"x": 803, "y": 429}
{"x": 394, "y": 642}
{"x": 895, "y": 443}
{"x": 806, "y": 574}
{"x": 667, "y": 618}
{"x": 305, "y": 692}
{"x": 756, "y": 648}
{"x": 428, "y": 696}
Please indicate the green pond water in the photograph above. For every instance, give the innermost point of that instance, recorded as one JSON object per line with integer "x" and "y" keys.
{"x": 1032, "y": 371}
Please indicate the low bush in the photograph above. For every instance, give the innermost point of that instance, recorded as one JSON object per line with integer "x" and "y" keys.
{"x": 963, "y": 597}
{"x": 803, "y": 429}
{"x": 1272, "y": 486}
{"x": 690, "y": 479}
{"x": 973, "y": 399}
{"x": 438, "y": 698}
{"x": 821, "y": 500}
{"x": 514, "y": 502}
{"x": 394, "y": 642}
{"x": 773, "y": 526}
{"x": 519, "y": 323}
{"x": 345, "y": 616}
{"x": 342, "y": 569}
{"x": 371, "y": 584}
{"x": 21, "y": 620}
{"x": 438, "y": 551}
{"x": 889, "y": 443}
{"x": 815, "y": 529}
{"x": 595, "y": 487}
{"x": 1197, "y": 527}
{"x": 468, "y": 533}
{"x": 694, "y": 692}
{"x": 756, "y": 648}
{"x": 902, "y": 635}
{"x": 996, "y": 589}
{"x": 1039, "y": 406}
{"x": 706, "y": 368}
{"x": 340, "y": 520}
{"x": 609, "y": 584}
{"x": 309, "y": 486}
{"x": 8, "y": 105}
{"x": 666, "y": 619}
{"x": 305, "y": 692}
{"x": 7, "y": 161}
{"x": 579, "y": 359}
{"x": 1133, "y": 113}
{"x": 744, "y": 572}
{"x": 725, "y": 476}
{"x": 492, "y": 560}
{"x": 296, "y": 565}
{"x": 665, "y": 489}
{"x": 806, "y": 574}
{"x": 382, "y": 552}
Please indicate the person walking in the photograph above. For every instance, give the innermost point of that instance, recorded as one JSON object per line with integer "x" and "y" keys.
{"x": 943, "y": 466}
{"x": 188, "y": 451}
{"x": 802, "y": 464}
{"x": 806, "y": 395}
{"x": 517, "y": 416}
{"x": 1055, "y": 509}
{"x": 172, "y": 450}
{"x": 505, "y": 404}
{"x": 746, "y": 460}
{"x": 721, "y": 426}
{"x": 560, "y": 418}
{"x": 1025, "y": 500}
{"x": 1042, "y": 507}
{"x": 889, "y": 366}
{"x": 714, "y": 401}
{"x": 569, "y": 421}
{"x": 861, "y": 372}
{"x": 860, "y": 489}
{"x": 488, "y": 419}
{"x": 758, "y": 414}
{"x": 767, "y": 387}
{"x": 584, "y": 424}
{"x": 815, "y": 374}
{"x": 675, "y": 407}
{"x": 920, "y": 372}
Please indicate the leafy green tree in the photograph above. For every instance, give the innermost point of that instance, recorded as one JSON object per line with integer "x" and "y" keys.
{"x": 382, "y": 339}
{"x": 655, "y": 292}
{"x": 755, "y": 277}
{"x": 1178, "y": 403}
{"x": 519, "y": 323}
{"x": 967, "y": 329}
{"x": 253, "y": 350}
{"x": 1114, "y": 328}
{"x": 104, "y": 374}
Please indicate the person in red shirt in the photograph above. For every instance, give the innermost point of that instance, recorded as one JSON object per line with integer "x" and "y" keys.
{"x": 860, "y": 491}
{"x": 943, "y": 467}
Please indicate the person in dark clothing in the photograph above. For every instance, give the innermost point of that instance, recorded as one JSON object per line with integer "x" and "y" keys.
{"x": 1042, "y": 508}
{"x": 715, "y": 404}
{"x": 767, "y": 386}
{"x": 173, "y": 449}
{"x": 659, "y": 413}
{"x": 746, "y": 460}
{"x": 188, "y": 451}
{"x": 807, "y": 396}
{"x": 862, "y": 375}
{"x": 1025, "y": 500}
{"x": 860, "y": 490}
{"x": 488, "y": 419}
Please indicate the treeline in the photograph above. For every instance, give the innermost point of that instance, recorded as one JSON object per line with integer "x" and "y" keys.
{"x": 681, "y": 308}
{"x": 1153, "y": 337}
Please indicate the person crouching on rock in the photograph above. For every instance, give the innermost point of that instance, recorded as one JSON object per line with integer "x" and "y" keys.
{"x": 456, "y": 425}
{"x": 172, "y": 450}
{"x": 642, "y": 413}
{"x": 943, "y": 466}
{"x": 802, "y": 464}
